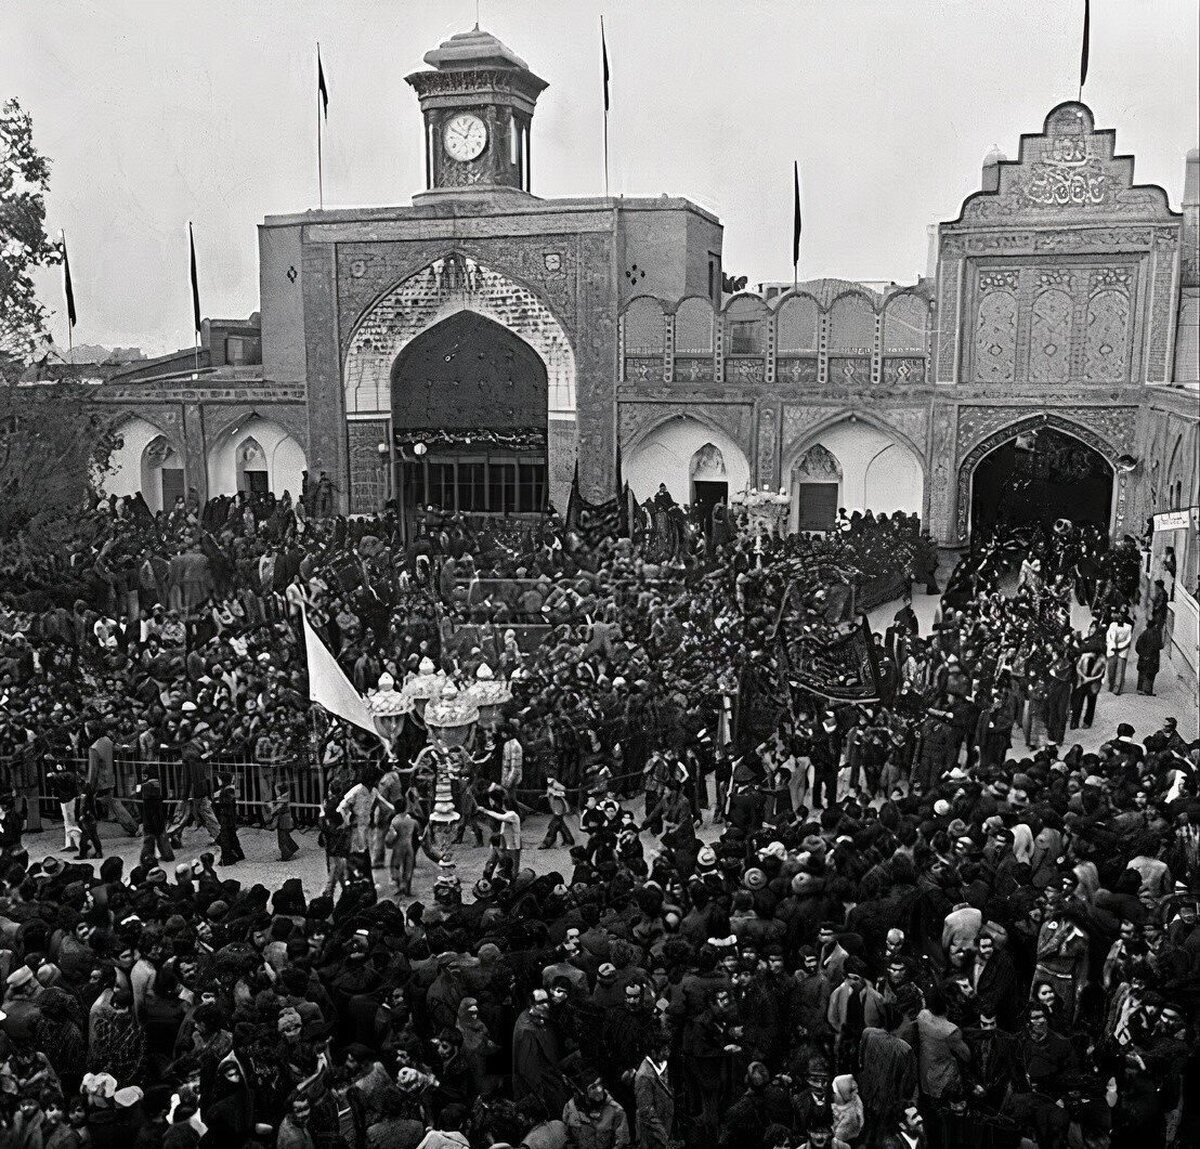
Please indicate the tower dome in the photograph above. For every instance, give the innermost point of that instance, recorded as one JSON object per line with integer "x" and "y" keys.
{"x": 473, "y": 49}
{"x": 478, "y": 101}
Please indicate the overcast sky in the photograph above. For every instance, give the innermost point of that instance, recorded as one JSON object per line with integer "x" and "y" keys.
{"x": 154, "y": 113}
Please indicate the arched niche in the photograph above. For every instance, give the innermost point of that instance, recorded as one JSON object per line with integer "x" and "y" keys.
{"x": 852, "y": 325}
{"x": 257, "y": 455}
{"x": 745, "y": 322}
{"x": 125, "y": 476}
{"x": 905, "y": 324}
{"x": 644, "y": 326}
{"x": 694, "y": 320}
{"x": 670, "y": 452}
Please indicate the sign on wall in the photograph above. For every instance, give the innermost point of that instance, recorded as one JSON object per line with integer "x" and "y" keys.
{"x": 1173, "y": 520}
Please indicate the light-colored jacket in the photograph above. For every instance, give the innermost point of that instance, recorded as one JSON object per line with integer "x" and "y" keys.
{"x": 1117, "y": 639}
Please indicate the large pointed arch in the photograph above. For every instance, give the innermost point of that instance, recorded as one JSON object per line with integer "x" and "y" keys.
{"x": 450, "y": 284}
{"x": 666, "y": 449}
{"x": 997, "y": 438}
{"x": 882, "y": 468}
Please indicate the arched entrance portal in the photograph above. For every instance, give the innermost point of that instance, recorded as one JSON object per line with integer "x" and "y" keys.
{"x": 710, "y": 480}
{"x": 469, "y": 408}
{"x": 817, "y": 482}
{"x": 162, "y": 475}
{"x": 692, "y": 459}
{"x": 252, "y": 468}
{"x": 1038, "y": 476}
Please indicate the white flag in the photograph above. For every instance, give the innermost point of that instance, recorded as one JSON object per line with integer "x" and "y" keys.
{"x": 328, "y": 685}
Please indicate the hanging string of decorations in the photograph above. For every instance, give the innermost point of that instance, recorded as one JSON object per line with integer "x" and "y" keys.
{"x": 483, "y": 438}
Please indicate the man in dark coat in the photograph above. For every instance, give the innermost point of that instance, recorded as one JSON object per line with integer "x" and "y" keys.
{"x": 195, "y": 794}
{"x": 654, "y": 1098}
{"x": 1149, "y": 650}
{"x": 536, "y": 1065}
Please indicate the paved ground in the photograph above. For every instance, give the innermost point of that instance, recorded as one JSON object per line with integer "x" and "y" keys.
{"x": 262, "y": 859}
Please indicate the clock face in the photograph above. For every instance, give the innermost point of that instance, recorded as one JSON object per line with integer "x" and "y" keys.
{"x": 465, "y": 137}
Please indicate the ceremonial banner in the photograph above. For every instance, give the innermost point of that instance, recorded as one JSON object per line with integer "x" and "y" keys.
{"x": 1087, "y": 43}
{"x": 328, "y": 685}
{"x": 593, "y": 521}
{"x": 68, "y": 287}
{"x": 840, "y": 667}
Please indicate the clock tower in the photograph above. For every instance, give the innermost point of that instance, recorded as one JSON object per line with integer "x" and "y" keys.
{"x": 478, "y": 106}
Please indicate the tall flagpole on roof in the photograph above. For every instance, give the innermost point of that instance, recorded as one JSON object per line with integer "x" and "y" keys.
{"x": 604, "y": 65}
{"x": 196, "y": 322}
{"x": 796, "y": 224}
{"x": 322, "y": 113}
{"x": 69, "y": 292}
{"x": 1084, "y": 51}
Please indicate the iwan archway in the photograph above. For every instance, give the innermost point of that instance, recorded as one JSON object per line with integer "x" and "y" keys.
{"x": 1033, "y": 473}
{"x": 474, "y": 397}
{"x": 458, "y": 285}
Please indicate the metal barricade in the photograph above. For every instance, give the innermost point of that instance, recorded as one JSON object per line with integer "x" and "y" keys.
{"x": 254, "y": 783}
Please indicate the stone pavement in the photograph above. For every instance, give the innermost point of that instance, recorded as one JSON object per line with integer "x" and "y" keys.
{"x": 262, "y": 862}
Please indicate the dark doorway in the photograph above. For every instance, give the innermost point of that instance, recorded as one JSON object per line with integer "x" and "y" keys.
{"x": 172, "y": 486}
{"x": 475, "y": 396}
{"x": 256, "y": 482}
{"x": 818, "y": 506}
{"x": 706, "y": 495}
{"x": 1037, "y": 478}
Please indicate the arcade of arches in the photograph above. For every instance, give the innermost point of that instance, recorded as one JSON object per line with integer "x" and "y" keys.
{"x": 255, "y": 455}
{"x": 469, "y": 412}
{"x": 1039, "y": 476}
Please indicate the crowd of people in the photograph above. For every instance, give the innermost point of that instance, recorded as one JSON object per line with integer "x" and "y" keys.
{"x": 789, "y": 920}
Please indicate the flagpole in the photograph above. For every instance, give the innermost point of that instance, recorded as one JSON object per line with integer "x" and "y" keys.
{"x": 606, "y": 155}
{"x": 62, "y": 236}
{"x": 604, "y": 52}
{"x": 195, "y": 301}
{"x": 1086, "y": 47}
{"x": 320, "y": 164}
{"x": 795, "y": 224}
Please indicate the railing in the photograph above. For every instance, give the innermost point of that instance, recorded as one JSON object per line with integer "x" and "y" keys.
{"x": 307, "y": 784}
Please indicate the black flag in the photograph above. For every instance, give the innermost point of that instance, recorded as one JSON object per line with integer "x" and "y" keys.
{"x": 195, "y": 282}
{"x": 322, "y": 91}
{"x": 67, "y": 288}
{"x": 796, "y": 215}
{"x": 604, "y": 60}
{"x": 1087, "y": 36}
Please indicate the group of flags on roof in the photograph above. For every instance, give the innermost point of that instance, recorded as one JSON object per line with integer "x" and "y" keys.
{"x": 323, "y": 115}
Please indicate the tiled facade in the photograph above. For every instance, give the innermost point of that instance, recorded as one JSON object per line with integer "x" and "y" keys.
{"x": 1063, "y": 295}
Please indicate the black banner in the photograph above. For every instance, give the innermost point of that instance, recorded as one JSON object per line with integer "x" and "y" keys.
{"x": 839, "y": 665}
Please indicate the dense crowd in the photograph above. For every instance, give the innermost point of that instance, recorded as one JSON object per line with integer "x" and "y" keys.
{"x": 922, "y": 919}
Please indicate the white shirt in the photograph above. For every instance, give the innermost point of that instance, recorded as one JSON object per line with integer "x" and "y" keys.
{"x": 1117, "y": 638}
